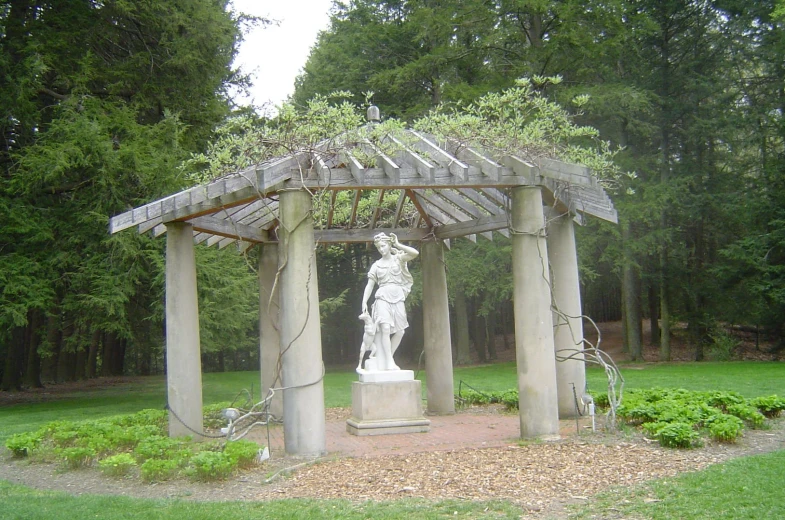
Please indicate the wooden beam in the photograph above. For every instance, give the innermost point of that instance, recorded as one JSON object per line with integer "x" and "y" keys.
{"x": 523, "y": 168}
{"x": 383, "y": 161}
{"x": 377, "y": 209}
{"x": 355, "y": 203}
{"x": 227, "y": 228}
{"x": 357, "y": 169}
{"x": 485, "y": 164}
{"x": 566, "y": 172}
{"x": 460, "y": 229}
{"x": 399, "y": 207}
{"x": 422, "y": 166}
{"x": 337, "y": 236}
{"x": 375, "y": 178}
{"x": 439, "y": 155}
{"x": 420, "y": 209}
{"x": 331, "y": 211}
{"x": 440, "y": 203}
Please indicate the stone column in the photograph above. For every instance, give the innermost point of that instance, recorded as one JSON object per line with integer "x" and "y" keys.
{"x": 568, "y": 324}
{"x": 269, "y": 341}
{"x": 538, "y": 404}
{"x": 183, "y": 361}
{"x": 436, "y": 325}
{"x": 301, "y": 342}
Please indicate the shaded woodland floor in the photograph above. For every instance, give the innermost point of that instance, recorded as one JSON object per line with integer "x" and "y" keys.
{"x": 612, "y": 343}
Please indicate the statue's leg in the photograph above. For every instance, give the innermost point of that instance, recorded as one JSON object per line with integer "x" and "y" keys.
{"x": 362, "y": 354}
{"x": 395, "y": 340}
{"x": 386, "y": 348}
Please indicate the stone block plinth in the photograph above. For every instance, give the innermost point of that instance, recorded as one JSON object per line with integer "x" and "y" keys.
{"x": 381, "y": 408}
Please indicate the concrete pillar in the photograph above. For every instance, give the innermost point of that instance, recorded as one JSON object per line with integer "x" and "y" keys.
{"x": 568, "y": 325}
{"x": 183, "y": 361}
{"x": 269, "y": 341}
{"x": 300, "y": 331}
{"x": 436, "y": 325}
{"x": 539, "y": 412}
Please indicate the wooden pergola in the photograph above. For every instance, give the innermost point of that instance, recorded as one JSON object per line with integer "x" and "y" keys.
{"x": 442, "y": 190}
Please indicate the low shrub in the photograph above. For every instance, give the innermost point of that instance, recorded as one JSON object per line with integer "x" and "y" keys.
{"x": 157, "y": 448}
{"x": 724, "y": 399}
{"x": 678, "y": 435}
{"x": 23, "y": 444}
{"x": 206, "y": 466}
{"x": 725, "y": 428}
{"x": 748, "y": 414}
{"x": 158, "y": 470}
{"x": 76, "y": 457}
{"x": 770, "y": 406}
{"x": 242, "y": 453}
{"x": 117, "y": 465}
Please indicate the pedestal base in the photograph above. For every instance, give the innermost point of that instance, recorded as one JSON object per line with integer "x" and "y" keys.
{"x": 382, "y": 408}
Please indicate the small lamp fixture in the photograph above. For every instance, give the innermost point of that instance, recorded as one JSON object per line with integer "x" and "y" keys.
{"x": 373, "y": 114}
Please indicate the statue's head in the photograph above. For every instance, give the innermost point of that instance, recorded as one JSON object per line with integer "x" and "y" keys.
{"x": 381, "y": 241}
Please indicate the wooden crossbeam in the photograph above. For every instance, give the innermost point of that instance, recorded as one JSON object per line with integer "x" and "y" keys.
{"x": 331, "y": 211}
{"x": 383, "y": 161}
{"x": 355, "y": 203}
{"x": 422, "y": 166}
{"x": 399, "y": 207}
{"x": 377, "y": 210}
{"x": 357, "y": 169}
{"x": 333, "y": 236}
{"x": 452, "y": 163}
{"x": 420, "y": 208}
{"x": 227, "y": 228}
{"x": 492, "y": 223}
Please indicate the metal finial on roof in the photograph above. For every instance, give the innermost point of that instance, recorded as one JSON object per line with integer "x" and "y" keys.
{"x": 373, "y": 114}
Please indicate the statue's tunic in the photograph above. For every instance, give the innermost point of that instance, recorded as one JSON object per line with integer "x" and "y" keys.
{"x": 395, "y": 282}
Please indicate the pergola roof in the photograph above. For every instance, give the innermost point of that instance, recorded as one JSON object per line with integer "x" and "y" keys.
{"x": 451, "y": 190}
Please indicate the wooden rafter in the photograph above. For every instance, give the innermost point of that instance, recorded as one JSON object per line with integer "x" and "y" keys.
{"x": 420, "y": 209}
{"x": 377, "y": 210}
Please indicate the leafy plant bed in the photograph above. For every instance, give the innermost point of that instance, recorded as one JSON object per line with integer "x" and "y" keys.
{"x": 137, "y": 444}
{"x": 677, "y": 418}
{"x": 681, "y": 418}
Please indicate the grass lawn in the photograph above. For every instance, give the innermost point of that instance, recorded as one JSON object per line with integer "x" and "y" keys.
{"x": 19, "y": 502}
{"x": 750, "y": 487}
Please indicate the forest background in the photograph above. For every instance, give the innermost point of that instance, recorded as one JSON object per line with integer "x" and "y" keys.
{"x": 108, "y": 105}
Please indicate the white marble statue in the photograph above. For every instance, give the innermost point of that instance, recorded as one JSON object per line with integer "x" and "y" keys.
{"x": 388, "y": 315}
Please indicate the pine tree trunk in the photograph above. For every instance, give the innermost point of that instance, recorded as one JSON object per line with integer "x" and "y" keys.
{"x": 632, "y": 300}
{"x": 80, "y": 362}
{"x": 463, "y": 356}
{"x": 12, "y": 373}
{"x": 49, "y": 364}
{"x": 506, "y": 326}
{"x": 490, "y": 322}
{"x": 92, "y": 354}
{"x": 654, "y": 315}
{"x": 32, "y": 378}
{"x": 107, "y": 354}
{"x": 478, "y": 333}
{"x": 65, "y": 360}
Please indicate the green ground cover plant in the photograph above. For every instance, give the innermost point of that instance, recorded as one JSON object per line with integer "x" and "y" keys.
{"x": 119, "y": 444}
{"x": 675, "y": 417}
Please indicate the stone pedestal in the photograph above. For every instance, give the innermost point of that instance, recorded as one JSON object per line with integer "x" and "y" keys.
{"x": 381, "y": 408}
